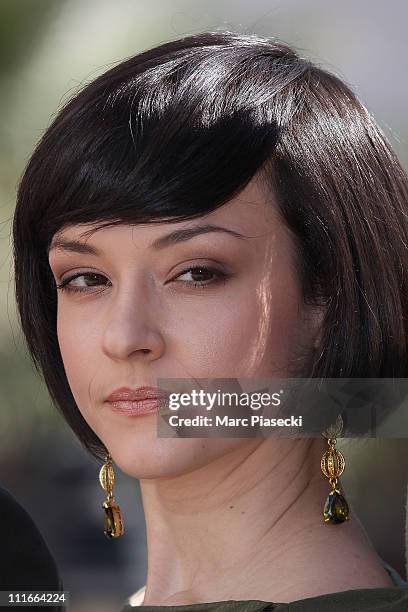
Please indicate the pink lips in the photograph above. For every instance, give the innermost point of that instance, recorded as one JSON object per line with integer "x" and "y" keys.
{"x": 137, "y": 402}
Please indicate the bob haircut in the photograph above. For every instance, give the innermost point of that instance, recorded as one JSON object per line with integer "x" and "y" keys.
{"x": 176, "y": 132}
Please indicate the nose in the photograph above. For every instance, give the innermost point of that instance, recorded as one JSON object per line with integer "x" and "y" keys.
{"x": 132, "y": 328}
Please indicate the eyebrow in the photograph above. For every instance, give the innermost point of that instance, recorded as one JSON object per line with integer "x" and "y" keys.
{"x": 179, "y": 235}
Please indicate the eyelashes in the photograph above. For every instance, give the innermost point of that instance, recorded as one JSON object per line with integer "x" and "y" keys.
{"x": 218, "y": 277}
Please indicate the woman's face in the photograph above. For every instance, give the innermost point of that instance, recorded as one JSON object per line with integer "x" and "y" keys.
{"x": 139, "y": 318}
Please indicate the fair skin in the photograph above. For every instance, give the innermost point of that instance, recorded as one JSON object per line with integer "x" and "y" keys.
{"x": 226, "y": 518}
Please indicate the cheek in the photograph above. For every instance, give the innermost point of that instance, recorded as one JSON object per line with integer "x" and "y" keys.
{"x": 78, "y": 348}
{"x": 246, "y": 332}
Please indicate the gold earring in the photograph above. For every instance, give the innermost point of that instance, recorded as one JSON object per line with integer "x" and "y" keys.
{"x": 113, "y": 516}
{"x": 335, "y": 509}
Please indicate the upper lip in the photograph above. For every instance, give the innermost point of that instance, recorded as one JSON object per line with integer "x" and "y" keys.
{"x": 141, "y": 393}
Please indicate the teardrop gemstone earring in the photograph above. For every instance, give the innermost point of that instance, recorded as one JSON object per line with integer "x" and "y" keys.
{"x": 335, "y": 509}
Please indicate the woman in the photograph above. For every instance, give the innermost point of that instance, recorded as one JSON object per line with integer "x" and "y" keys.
{"x": 222, "y": 162}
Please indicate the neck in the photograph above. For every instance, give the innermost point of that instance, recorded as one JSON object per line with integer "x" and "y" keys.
{"x": 243, "y": 526}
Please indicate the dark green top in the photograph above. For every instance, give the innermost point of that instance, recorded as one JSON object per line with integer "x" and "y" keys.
{"x": 393, "y": 599}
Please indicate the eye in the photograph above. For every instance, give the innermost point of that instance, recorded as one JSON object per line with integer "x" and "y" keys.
{"x": 216, "y": 276}
{"x": 66, "y": 284}
{"x": 213, "y": 275}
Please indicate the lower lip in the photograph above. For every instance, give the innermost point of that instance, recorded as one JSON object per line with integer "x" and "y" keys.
{"x": 139, "y": 407}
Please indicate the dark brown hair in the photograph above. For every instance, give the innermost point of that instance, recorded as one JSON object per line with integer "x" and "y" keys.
{"x": 177, "y": 131}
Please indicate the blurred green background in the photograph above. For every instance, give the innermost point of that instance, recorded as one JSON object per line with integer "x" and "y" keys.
{"x": 48, "y": 49}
